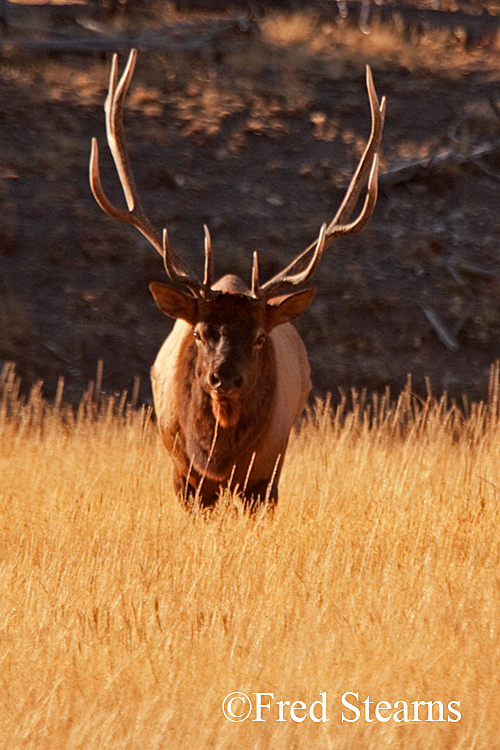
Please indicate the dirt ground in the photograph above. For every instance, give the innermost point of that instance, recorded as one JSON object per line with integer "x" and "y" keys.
{"x": 256, "y": 134}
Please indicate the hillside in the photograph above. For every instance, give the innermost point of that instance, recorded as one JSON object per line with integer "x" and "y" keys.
{"x": 255, "y": 131}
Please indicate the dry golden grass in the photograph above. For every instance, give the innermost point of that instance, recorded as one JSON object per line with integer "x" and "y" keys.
{"x": 124, "y": 621}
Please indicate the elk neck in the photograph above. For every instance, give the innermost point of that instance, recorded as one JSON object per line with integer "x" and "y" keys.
{"x": 235, "y": 417}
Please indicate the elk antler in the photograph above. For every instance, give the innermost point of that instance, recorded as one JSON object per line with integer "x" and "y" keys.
{"x": 178, "y": 271}
{"x": 300, "y": 269}
{"x": 304, "y": 264}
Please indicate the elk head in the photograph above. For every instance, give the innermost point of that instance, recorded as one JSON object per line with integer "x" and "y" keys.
{"x": 230, "y": 330}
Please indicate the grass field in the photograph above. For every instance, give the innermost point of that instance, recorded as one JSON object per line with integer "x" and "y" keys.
{"x": 124, "y": 621}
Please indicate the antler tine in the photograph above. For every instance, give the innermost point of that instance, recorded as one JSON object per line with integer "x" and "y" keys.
{"x": 292, "y": 276}
{"x": 365, "y": 165}
{"x": 176, "y": 268}
{"x": 255, "y": 276}
{"x": 305, "y": 263}
{"x": 178, "y": 271}
{"x": 366, "y": 212}
{"x": 209, "y": 265}
{"x": 113, "y": 108}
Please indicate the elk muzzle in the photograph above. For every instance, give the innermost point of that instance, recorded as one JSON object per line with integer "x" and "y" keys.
{"x": 225, "y": 381}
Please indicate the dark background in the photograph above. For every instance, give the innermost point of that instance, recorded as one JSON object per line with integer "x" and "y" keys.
{"x": 252, "y": 120}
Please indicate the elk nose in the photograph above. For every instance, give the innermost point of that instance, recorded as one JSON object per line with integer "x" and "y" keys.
{"x": 225, "y": 383}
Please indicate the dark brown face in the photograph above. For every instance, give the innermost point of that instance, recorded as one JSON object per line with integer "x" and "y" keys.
{"x": 230, "y": 337}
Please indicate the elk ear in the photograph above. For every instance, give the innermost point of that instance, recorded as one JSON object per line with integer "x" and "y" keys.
{"x": 174, "y": 303}
{"x": 288, "y": 307}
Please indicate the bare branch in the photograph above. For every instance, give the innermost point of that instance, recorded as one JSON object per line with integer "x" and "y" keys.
{"x": 446, "y": 338}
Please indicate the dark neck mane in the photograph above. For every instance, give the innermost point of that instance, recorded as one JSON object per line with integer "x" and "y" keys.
{"x": 198, "y": 423}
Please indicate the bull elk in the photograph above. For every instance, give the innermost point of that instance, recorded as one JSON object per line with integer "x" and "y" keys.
{"x": 233, "y": 376}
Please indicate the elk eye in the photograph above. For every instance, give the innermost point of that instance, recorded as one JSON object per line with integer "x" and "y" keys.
{"x": 197, "y": 335}
{"x": 259, "y": 340}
